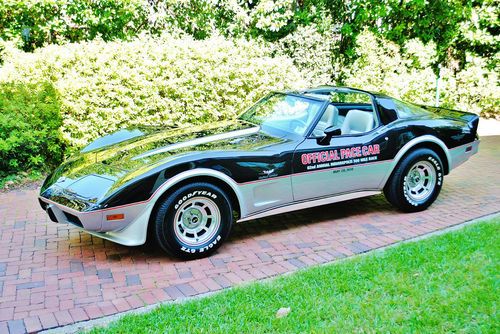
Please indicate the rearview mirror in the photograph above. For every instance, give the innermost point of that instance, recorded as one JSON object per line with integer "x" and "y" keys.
{"x": 329, "y": 133}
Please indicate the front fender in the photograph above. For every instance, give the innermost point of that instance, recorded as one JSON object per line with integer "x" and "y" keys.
{"x": 197, "y": 172}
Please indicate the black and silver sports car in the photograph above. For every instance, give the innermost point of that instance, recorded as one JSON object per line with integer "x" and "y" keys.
{"x": 185, "y": 187}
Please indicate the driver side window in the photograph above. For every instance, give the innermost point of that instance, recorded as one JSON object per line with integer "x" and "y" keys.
{"x": 351, "y": 112}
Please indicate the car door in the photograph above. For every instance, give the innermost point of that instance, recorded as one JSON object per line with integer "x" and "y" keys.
{"x": 347, "y": 163}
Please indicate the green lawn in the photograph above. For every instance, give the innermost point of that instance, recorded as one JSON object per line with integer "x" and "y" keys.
{"x": 448, "y": 283}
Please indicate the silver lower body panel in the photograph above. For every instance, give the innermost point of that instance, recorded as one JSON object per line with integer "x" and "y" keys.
{"x": 461, "y": 154}
{"x": 310, "y": 204}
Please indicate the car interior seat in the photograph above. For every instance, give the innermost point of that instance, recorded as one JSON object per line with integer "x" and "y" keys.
{"x": 357, "y": 121}
{"x": 329, "y": 118}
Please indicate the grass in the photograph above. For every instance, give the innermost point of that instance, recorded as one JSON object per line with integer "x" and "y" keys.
{"x": 445, "y": 284}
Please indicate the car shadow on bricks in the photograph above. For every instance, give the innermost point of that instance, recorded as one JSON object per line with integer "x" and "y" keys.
{"x": 310, "y": 216}
{"x": 83, "y": 245}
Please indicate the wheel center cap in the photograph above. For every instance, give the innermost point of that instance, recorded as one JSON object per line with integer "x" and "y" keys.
{"x": 415, "y": 178}
{"x": 192, "y": 218}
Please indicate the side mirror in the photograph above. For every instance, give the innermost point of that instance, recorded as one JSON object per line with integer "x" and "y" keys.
{"x": 333, "y": 131}
{"x": 329, "y": 133}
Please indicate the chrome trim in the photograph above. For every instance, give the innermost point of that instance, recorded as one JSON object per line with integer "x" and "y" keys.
{"x": 309, "y": 204}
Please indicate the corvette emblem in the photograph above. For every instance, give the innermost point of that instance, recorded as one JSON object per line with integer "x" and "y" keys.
{"x": 268, "y": 172}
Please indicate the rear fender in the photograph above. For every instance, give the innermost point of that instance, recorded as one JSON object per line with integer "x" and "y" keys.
{"x": 410, "y": 145}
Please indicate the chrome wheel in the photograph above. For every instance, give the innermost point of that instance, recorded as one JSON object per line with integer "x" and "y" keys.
{"x": 420, "y": 181}
{"x": 196, "y": 221}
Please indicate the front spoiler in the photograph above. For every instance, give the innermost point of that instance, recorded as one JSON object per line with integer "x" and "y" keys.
{"x": 130, "y": 231}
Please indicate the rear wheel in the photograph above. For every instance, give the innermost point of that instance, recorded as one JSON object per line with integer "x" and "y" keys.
{"x": 193, "y": 221}
{"x": 416, "y": 181}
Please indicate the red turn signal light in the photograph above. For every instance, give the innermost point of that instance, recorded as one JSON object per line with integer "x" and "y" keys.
{"x": 118, "y": 216}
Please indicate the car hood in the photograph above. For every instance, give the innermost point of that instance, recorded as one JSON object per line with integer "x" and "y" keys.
{"x": 114, "y": 160}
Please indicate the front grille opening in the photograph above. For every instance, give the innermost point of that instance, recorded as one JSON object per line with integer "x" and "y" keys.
{"x": 73, "y": 219}
{"x": 51, "y": 214}
{"x": 43, "y": 204}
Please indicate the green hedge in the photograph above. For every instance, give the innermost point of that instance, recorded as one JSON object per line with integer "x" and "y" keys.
{"x": 406, "y": 72}
{"x": 35, "y": 23}
{"x": 29, "y": 128}
{"x": 167, "y": 80}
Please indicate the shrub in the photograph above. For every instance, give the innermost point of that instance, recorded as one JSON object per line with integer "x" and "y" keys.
{"x": 311, "y": 51}
{"x": 29, "y": 128}
{"x": 35, "y": 23}
{"x": 166, "y": 80}
{"x": 406, "y": 72}
{"x": 381, "y": 66}
{"x": 475, "y": 89}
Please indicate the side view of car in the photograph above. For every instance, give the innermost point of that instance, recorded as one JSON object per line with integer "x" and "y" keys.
{"x": 185, "y": 187}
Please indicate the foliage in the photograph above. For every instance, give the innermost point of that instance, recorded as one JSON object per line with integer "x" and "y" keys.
{"x": 265, "y": 18}
{"x": 20, "y": 179}
{"x": 480, "y": 34}
{"x": 158, "y": 81}
{"x": 273, "y": 16}
{"x": 165, "y": 62}
{"x": 29, "y": 128}
{"x": 406, "y": 73}
{"x": 198, "y": 18}
{"x": 438, "y": 21}
{"x": 35, "y": 23}
{"x": 475, "y": 88}
{"x": 447, "y": 283}
{"x": 382, "y": 66}
{"x": 310, "y": 48}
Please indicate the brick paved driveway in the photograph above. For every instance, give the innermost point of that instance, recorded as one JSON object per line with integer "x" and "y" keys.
{"x": 53, "y": 275}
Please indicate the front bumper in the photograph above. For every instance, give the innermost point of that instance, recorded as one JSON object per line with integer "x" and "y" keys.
{"x": 129, "y": 231}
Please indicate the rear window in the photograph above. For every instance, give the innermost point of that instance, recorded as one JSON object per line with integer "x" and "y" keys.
{"x": 406, "y": 110}
{"x": 390, "y": 109}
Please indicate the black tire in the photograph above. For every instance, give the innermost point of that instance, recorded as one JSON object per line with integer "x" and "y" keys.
{"x": 411, "y": 173}
{"x": 186, "y": 206}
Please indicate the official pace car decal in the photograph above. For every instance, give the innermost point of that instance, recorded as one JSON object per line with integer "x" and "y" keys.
{"x": 340, "y": 157}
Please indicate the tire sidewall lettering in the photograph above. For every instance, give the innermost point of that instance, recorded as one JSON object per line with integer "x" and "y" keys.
{"x": 202, "y": 249}
{"x": 192, "y": 194}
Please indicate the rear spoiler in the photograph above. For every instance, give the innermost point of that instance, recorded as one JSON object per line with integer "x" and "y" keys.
{"x": 471, "y": 119}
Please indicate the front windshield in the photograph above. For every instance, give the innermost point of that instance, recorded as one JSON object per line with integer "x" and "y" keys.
{"x": 289, "y": 113}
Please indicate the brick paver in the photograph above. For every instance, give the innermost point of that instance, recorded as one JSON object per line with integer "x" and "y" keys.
{"x": 52, "y": 274}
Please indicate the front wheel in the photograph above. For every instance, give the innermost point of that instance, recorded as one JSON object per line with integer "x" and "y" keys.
{"x": 416, "y": 181}
{"x": 193, "y": 221}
